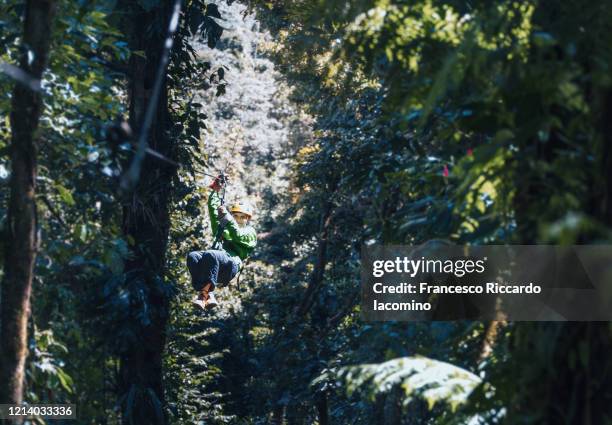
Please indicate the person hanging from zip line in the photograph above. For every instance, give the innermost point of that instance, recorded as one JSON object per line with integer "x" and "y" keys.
{"x": 222, "y": 263}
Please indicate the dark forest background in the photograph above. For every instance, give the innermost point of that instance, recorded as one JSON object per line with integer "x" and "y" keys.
{"x": 395, "y": 122}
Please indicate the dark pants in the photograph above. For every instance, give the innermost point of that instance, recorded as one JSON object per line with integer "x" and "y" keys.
{"x": 212, "y": 266}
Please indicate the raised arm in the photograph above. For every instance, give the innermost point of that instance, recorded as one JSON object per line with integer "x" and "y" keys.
{"x": 245, "y": 237}
{"x": 214, "y": 202}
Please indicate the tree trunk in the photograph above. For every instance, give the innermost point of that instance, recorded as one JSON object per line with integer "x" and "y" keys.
{"x": 378, "y": 408}
{"x": 21, "y": 236}
{"x": 146, "y": 223}
{"x": 322, "y": 408}
{"x": 316, "y": 278}
{"x": 488, "y": 342}
{"x": 296, "y": 414}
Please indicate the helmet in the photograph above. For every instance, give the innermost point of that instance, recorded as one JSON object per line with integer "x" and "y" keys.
{"x": 241, "y": 208}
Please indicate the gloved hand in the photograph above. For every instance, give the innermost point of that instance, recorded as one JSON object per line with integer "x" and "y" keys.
{"x": 218, "y": 183}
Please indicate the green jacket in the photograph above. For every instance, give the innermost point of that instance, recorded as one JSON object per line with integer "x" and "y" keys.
{"x": 237, "y": 241}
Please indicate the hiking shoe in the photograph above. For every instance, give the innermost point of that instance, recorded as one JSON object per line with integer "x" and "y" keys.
{"x": 211, "y": 302}
{"x": 200, "y": 303}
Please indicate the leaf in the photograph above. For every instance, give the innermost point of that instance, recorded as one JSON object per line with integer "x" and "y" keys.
{"x": 213, "y": 10}
{"x": 81, "y": 232}
{"x": 220, "y": 90}
{"x": 65, "y": 380}
{"x": 196, "y": 18}
{"x": 212, "y": 31}
{"x": 65, "y": 195}
{"x": 420, "y": 377}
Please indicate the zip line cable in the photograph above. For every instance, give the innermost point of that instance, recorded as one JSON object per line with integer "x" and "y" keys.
{"x": 130, "y": 178}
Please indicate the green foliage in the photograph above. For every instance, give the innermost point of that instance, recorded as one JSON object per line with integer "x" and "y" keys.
{"x": 90, "y": 309}
{"x": 476, "y": 123}
{"x": 48, "y": 381}
{"x": 418, "y": 378}
{"x": 472, "y": 122}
